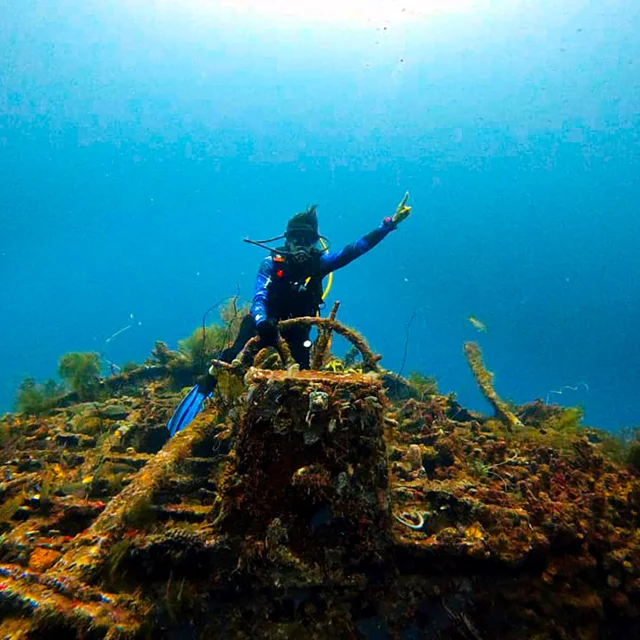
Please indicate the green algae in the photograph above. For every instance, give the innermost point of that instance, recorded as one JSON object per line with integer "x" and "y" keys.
{"x": 34, "y": 398}
{"x": 80, "y": 371}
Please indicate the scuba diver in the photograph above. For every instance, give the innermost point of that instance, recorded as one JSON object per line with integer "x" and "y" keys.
{"x": 288, "y": 285}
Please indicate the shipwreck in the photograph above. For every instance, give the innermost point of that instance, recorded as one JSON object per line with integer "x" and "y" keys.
{"x": 339, "y": 502}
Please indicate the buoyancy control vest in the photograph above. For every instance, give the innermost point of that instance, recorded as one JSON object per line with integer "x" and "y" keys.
{"x": 295, "y": 288}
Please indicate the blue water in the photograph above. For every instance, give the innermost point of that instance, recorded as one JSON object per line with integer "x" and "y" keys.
{"x": 140, "y": 142}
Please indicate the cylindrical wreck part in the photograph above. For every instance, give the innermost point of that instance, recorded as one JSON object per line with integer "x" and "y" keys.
{"x": 310, "y": 470}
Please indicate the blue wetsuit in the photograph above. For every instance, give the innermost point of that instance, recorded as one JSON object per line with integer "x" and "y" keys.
{"x": 282, "y": 291}
{"x": 327, "y": 262}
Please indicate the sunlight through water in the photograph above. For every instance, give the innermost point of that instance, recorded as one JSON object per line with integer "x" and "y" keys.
{"x": 354, "y": 13}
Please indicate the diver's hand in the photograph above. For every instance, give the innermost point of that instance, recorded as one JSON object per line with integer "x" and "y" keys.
{"x": 268, "y": 331}
{"x": 403, "y": 211}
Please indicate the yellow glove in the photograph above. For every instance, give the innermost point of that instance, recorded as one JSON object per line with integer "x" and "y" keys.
{"x": 402, "y": 211}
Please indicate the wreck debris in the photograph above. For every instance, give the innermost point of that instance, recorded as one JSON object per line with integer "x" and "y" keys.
{"x": 484, "y": 378}
{"x": 86, "y": 555}
{"x": 325, "y": 325}
{"x": 369, "y": 359}
{"x": 407, "y": 519}
{"x": 323, "y": 341}
{"x": 250, "y": 351}
{"x": 315, "y": 465}
{"x": 312, "y": 500}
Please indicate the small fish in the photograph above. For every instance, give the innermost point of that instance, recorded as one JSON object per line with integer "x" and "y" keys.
{"x": 480, "y": 326}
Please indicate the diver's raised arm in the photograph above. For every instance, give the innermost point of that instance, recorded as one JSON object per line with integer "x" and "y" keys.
{"x": 333, "y": 260}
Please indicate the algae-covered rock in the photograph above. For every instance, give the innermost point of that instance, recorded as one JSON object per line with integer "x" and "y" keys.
{"x": 114, "y": 412}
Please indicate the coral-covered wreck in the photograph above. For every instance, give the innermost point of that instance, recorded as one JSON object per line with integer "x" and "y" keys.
{"x": 341, "y": 502}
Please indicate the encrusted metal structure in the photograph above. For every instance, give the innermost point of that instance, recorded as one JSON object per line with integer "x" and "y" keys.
{"x": 311, "y": 504}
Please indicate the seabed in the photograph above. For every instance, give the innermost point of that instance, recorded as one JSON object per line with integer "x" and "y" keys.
{"x": 344, "y": 503}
